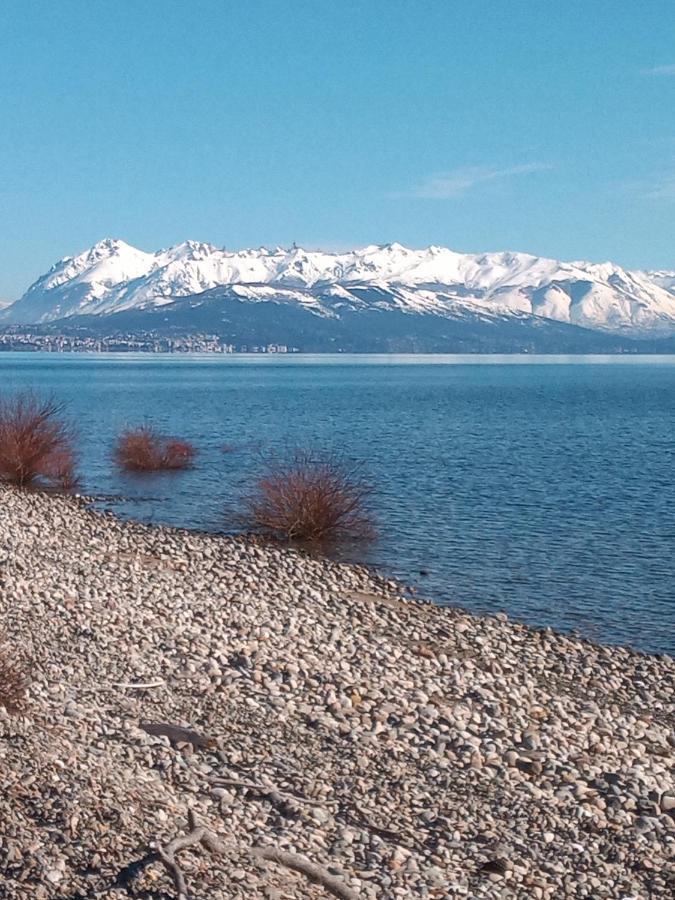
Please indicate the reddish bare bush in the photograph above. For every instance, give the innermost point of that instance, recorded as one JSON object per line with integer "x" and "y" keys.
{"x": 146, "y": 450}
{"x": 36, "y": 443}
{"x": 310, "y": 498}
{"x": 60, "y": 468}
{"x": 178, "y": 454}
{"x": 13, "y": 682}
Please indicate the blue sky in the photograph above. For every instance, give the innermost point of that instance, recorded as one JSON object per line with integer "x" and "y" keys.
{"x": 531, "y": 125}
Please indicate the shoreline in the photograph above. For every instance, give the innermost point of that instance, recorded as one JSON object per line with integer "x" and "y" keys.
{"x": 417, "y": 750}
{"x": 409, "y": 592}
{"x": 486, "y": 357}
{"x": 408, "y": 589}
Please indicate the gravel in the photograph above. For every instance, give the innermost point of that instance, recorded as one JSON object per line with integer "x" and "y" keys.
{"x": 299, "y": 704}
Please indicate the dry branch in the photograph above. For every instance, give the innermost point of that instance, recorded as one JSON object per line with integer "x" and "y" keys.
{"x": 269, "y": 791}
{"x": 332, "y": 883}
{"x": 197, "y": 834}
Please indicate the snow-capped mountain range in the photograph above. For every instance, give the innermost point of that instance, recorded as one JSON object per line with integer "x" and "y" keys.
{"x": 113, "y": 277}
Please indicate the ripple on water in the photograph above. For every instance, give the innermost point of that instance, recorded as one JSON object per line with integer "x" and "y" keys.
{"x": 545, "y": 490}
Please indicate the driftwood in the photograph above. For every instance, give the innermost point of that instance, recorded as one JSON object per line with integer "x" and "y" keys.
{"x": 178, "y": 735}
{"x": 281, "y": 798}
{"x": 332, "y": 883}
{"x": 270, "y": 792}
{"x": 197, "y": 834}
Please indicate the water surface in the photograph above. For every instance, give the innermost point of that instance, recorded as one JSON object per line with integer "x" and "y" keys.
{"x": 543, "y": 487}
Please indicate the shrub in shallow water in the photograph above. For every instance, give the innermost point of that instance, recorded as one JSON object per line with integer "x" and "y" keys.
{"x": 146, "y": 450}
{"x": 36, "y": 443}
{"x": 310, "y": 497}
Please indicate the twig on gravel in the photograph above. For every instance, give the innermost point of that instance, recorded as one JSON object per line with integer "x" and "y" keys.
{"x": 97, "y": 687}
{"x": 332, "y": 883}
{"x": 278, "y": 797}
{"x": 362, "y": 818}
{"x": 269, "y": 791}
{"x": 200, "y": 835}
{"x": 197, "y": 834}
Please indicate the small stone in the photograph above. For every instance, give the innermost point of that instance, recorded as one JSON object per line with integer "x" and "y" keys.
{"x": 434, "y": 876}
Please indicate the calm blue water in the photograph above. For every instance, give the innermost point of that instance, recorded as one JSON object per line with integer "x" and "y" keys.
{"x": 543, "y": 488}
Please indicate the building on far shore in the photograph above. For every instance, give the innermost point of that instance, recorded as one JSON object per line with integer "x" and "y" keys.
{"x": 19, "y": 338}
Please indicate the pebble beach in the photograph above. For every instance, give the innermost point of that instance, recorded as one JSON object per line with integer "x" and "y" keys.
{"x": 309, "y": 729}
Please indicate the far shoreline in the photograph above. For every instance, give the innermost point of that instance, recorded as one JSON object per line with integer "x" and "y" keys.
{"x": 272, "y": 358}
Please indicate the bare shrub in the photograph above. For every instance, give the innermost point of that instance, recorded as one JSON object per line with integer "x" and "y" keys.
{"x": 144, "y": 449}
{"x": 60, "y": 469}
{"x": 13, "y": 682}
{"x": 35, "y": 441}
{"x": 310, "y": 497}
{"x": 178, "y": 454}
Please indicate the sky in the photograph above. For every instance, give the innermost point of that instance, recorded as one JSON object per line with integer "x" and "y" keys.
{"x": 534, "y": 125}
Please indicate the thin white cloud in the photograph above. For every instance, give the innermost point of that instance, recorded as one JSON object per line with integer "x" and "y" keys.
{"x": 661, "y": 70}
{"x": 449, "y": 185}
{"x": 659, "y": 187}
{"x": 660, "y": 190}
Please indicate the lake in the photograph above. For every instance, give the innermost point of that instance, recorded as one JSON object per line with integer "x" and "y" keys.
{"x": 541, "y": 487}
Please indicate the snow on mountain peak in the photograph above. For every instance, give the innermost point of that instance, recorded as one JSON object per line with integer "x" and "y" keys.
{"x": 112, "y": 276}
{"x": 113, "y": 245}
{"x": 190, "y": 250}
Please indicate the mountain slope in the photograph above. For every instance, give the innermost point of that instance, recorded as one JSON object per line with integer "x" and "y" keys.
{"x": 369, "y": 328}
{"x": 113, "y": 277}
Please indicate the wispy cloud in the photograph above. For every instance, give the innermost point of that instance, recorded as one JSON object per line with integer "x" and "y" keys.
{"x": 660, "y": 190}
{"x": 447, "y": 185}
{"x": 658, "y": 187}
{"x": 660, "y": 70}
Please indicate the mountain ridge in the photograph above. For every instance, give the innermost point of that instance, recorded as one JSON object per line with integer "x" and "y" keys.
{"x": 112, "y": 277}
